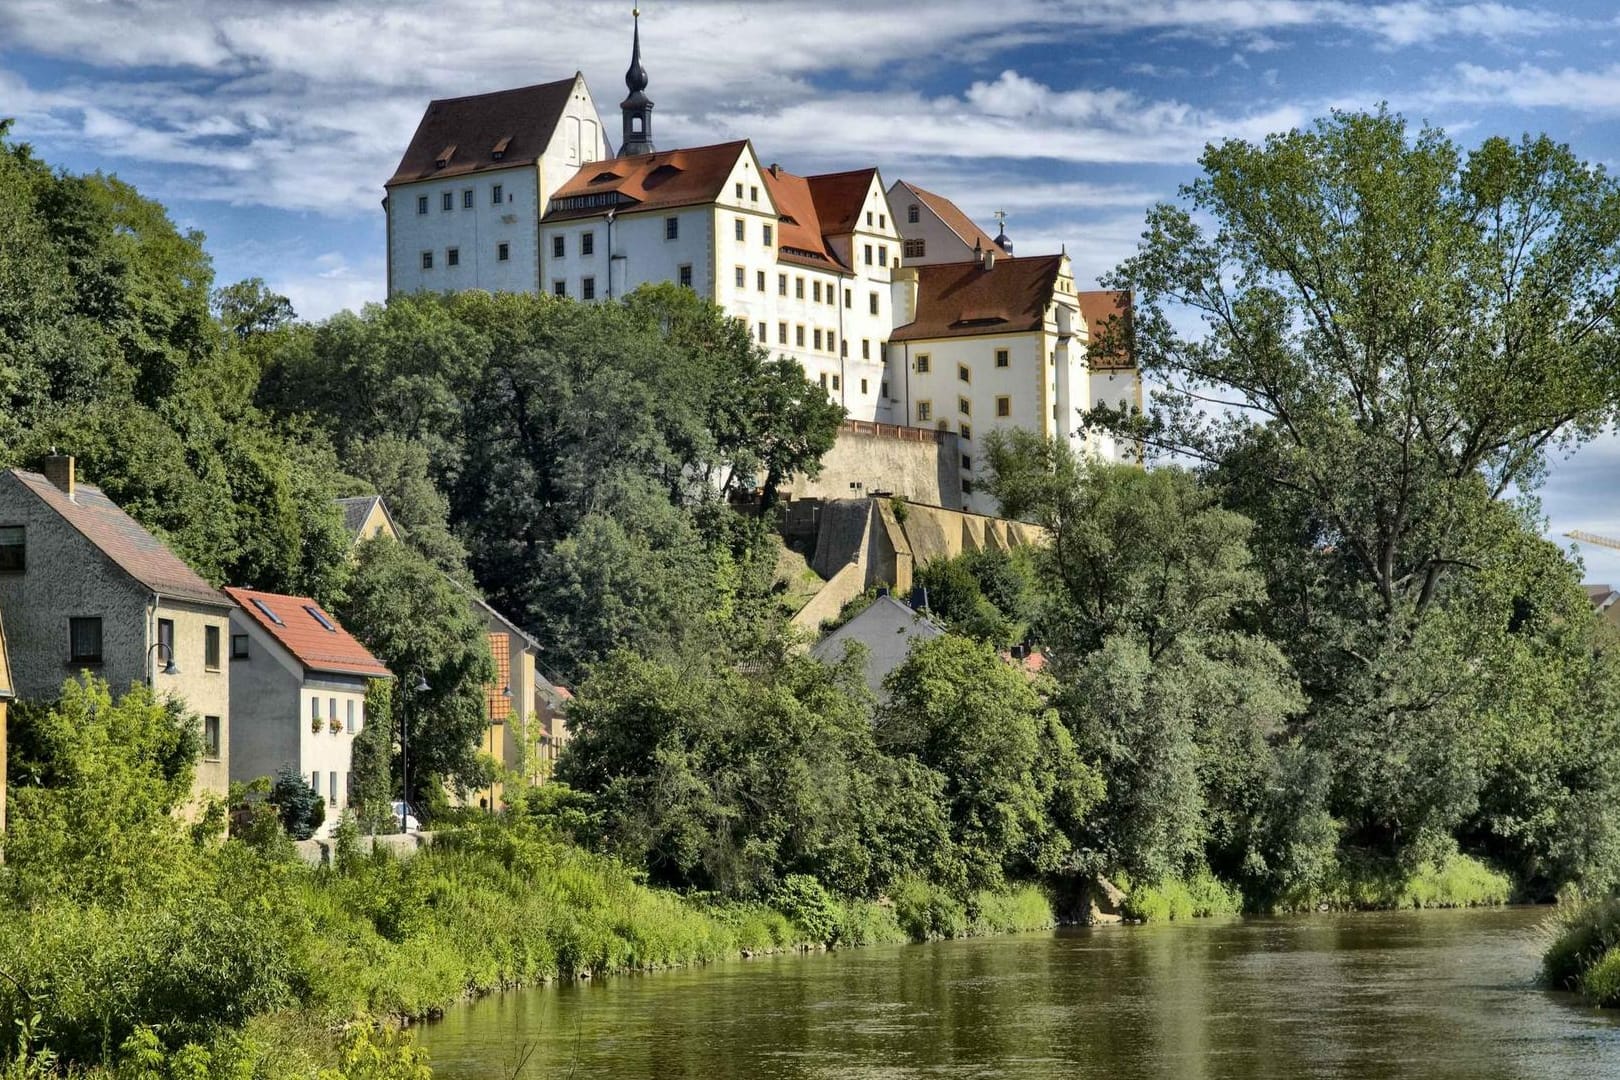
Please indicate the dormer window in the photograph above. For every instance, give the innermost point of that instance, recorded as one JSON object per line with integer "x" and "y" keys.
{"x": 444, "y": 156}
{"x": 499, "y": 150}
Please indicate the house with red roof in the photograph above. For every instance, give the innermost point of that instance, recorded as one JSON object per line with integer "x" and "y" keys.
{"x": 86, "y": 589}
{"x": 298, "y": 694}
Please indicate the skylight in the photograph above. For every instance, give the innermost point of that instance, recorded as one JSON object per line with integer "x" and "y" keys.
{"x": 265, "y": 610}
{"x": 315, "y": 613}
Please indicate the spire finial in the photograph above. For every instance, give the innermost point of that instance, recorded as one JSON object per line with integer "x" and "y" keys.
{"x": 637, "y": 108}
{"x": 636, "y": 77}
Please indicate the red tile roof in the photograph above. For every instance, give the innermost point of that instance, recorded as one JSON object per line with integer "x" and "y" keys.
{"x": 137, "y": 552}
{"x": 963, "y": 299}
{"x": 840, "y": 198}
{"x": 498, "y": 706}
{"x": 658, "y": 181}
{"x": 302, "y": 635}
{"x": 800, "y": 235}
{"x": 958, "y": 222}
{"x": 1098, "y": 308}
{"x": 519, "y": 122}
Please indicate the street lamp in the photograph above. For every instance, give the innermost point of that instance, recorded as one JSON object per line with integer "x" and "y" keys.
{"x": 171, "y": 668}
{"x": 421, "y": 687}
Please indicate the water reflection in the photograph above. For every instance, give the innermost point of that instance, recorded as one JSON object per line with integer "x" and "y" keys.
{"x": 1410, "y": 994}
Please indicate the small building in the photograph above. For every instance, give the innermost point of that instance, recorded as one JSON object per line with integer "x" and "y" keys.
{"x": 888, "y": 629}
{"x": 298, "y": 694}
{"x": 366, "y": 516}
{"x": 87, "y": 589}
{"x": 6, "y": 695}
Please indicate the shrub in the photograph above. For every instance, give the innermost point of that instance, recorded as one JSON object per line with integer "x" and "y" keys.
{"x": 805, "y": 900}
{"x": 302, "y": 810}
{"x": 1581, "y": 938}
{"x": 1195, "y": 897}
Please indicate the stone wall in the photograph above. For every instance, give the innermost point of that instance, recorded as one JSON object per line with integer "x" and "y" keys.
{"x": 918, "y": 464}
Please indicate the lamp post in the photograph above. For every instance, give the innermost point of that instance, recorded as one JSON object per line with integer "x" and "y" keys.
{"x": 170, "y": 668}
{"x": 421, "y": 687}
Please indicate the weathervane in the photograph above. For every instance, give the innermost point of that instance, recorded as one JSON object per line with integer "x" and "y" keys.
{"x": 1001, "y": 219}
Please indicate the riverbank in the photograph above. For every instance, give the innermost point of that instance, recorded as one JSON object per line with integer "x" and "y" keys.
{"x": 1583, "y": 951}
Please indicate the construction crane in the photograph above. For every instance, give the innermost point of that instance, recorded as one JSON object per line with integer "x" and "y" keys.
{"x": 1594, "y": 539}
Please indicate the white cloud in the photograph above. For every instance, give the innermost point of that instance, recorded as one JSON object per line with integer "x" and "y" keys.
{"x": 1531, "y": 86}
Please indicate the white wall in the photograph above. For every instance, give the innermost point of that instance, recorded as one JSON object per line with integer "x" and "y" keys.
{"x": 476, "y": 233}
{"x": 940, "y": 242}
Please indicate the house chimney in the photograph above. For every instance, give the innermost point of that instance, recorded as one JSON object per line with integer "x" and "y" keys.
{"x": 59, "y": 471}
{"x": 989, "y": 258}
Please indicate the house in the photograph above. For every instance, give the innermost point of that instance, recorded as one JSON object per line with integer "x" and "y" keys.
{"x": 933, "y": 229}
{"x": 888, "y": 629}
{"x": 86, "y": 589}
{"x": 366, "y": 516}
{"x": 6, "y": 695}
{"x": 298, "y": 693}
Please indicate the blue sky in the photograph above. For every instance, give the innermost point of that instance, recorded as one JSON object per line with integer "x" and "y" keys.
{"x": 272, "y": 124}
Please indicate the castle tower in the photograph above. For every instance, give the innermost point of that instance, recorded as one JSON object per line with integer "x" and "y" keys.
{"x": 638, "y": 107}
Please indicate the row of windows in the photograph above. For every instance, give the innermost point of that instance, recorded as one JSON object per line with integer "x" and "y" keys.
{"x": 922, "y": 365}
{"x": 452, "y": 256}
{"x": 587, "y": 287}
{"x": 332, "y": 787}
{"x": 882, "y": 255}
{"x": 85, "y": 643}
{"x": 753, "y": 191}
{"x": 587, "y": 245}
{"x": 447, "y": 199}
{"x": 882, "y": 220}
{"x": 925, "y": 411}
{"x": 347, "y": 724}
{"x": 767, "y": 232}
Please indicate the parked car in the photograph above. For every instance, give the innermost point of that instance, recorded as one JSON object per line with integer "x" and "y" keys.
{"x": 411, "y": 824}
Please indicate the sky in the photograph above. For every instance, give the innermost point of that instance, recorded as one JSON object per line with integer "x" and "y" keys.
{"x": 271, "y": 125}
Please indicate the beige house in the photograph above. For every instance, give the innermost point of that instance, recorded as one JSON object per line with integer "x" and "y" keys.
{"x": 366, "y": 516}
{"x": 85, "y": 588}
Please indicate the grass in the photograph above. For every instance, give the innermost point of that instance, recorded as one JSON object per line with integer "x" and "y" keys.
{"x": 929, "y": 912}
{"x": 1195, "y": 897}
{"x": 1583, "y": 951}
{"x": 1367, "y": 884}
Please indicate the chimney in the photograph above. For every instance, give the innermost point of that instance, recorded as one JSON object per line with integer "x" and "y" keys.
{"x": 989, "y": 258}
{"x": 59, "y": 471}
{"x": 903, "y": 295}
{"x": 776, "y": 170}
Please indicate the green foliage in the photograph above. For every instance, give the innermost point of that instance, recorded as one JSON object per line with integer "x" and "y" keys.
{"x": 803, "y": 899}
{"x": 1367, "y": 882}
{"x": 371, "y": 755}
{"x": 300, "y": 808}
{"x": 1581, "y": 939}
{"x": 1197, "y": 896}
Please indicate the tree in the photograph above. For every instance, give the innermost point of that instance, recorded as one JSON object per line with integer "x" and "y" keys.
{"x": 399, "y": 471}
{"x": 372, "y": 783}
{"x": 422, "y": 626}
{"x": 1014, "y": 790}
{"x": 249, "y": 307}
{"x": 299, "y": 807}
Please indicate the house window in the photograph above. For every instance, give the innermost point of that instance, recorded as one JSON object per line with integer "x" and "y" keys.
{"x": 559, "y": 247}
{"x": 503, "y": 252}
{"x": 769, "y": 235}
{"x": 868, "y": 254}
{"x": 818, "y": 340}
{"x": 883, "y": 255}
{"x": 912, "y": 214}
{"x": 239, "y": 646}
{"x": 1003, "y": 358}
{"x": 883, "y": 388}
{"x": 1003, "y": 406}
{"x": 211, "y": 738}
{"x": 686, "y": 275}
{"x": 165, "y": 641}
{"x": 211, "y": 648}
{"x": 835, "y": 382}
{"x": 421, "y": 204}
{"x": 967, "y": 463}
{"x": 922, "y": 364}
{"x": 848, "y": 296}
{"x": 672, "y": 228}
{"x": 427, "y": 260}
{"x": 315, "y": 781}
{"x": 815, "y": 291}
{"x": 447, "y": 201}
{"x": 739, "y": 189}
{"x": 798, "y": 288}
{"x": 587, "y": 288}
{"x": 331, "y": 711}
{"x": 467, "y": 199}
{"x": 925, "y": 411}
{"x": 963, "y": 373}
{"x": 753, "y": 193}
{"x": 883, "y": 221}
{"x": 496, "y": 195}
{"x": 739, "y": 229}
{"x": 13, "y": 549}
{"x": 914, "y": 249}
{"x": 349, "y": 724}
{"x": 759, "y": 280}
{"x": 587, "y": 243}
{"x": 763, "y": 333}
{"x": 559, "y": 287}
{"x": 314, "y": 710}
{"x": 331, "y": 789}
{"x": 798, "y": 335}
{"x": 964, "y": 406}
{"x": 967, "y": 431}
{"x": 863, "y": 386}
{"x": 742, "y": 278}
{"x": 824, "y": 380}
{"x": 781, "y": 284}
{"x": 872, "y": 304}
{"x": 781, "y": 333}
{"x": 84, "y": 641}
{"x": 869, "y": 219}
{"x": 843, "y": 347}
{"x": 452, "y": 257}
{"x": 866, "y": 348}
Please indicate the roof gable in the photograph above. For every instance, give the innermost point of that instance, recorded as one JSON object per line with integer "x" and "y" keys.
{"x": 1098, "y": 308}
{"x": 800, "y": 237}
{"x": 963, "y": 299}
{"x": 840, "y": 197}
{"x": 313, "y": 638}
{"x": 121, "y": 539}
{"x": 471, "y": 134}
{"x": 359, "y": 509}
{"x": 670, "y": 178}
{"x": 952, "y": 217}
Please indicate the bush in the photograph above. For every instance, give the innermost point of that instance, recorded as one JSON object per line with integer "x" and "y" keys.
{"x": 1195, "y": 897}
{"x": 805, "y": 900}
{"x": 1014, "y": 911}
{"x": 1362, "y": 883}
{"x": 302, "y": 810}
{"x": 928, "y": 912}
{"x": 1584, "y": 939}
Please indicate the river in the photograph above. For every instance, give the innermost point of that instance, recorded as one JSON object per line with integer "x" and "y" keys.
{"x": 1435, "y": 994}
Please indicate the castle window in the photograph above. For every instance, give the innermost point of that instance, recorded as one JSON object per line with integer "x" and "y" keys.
{"x": 559, "y": 287}
{"x": 868, "y": 254}
{"x": 1003, "y": 358}
{"x": 503, "y": 252}
{"x": 740, "y": 229}
{"x": 963, "y": 373}
{"x": 883, "y": 255}
{"x": 672, "y": 228}
{"x": 1003, "y": 406}
{"x": 421, "y": 204}
{"x": 559, "y": 247}
{"x": 872, "y": 303}
{"x": 967, "y": 463}
{"x": 922, "y": 363}
{"x": 587, "y": 243}
{"x": 742, "y": 278}
{"x": 964, "y": 406}
{"x": 835, "y": 382}
{"x": 883, "y": 388}
{"x": 762, "y": 334}
{"x": 824, "y": 380}
{"x": 467, "y": 199}
{"x": 798, "y": 335}
{"x": 925, "y": 411}
{"x": 447, "y": 201}
{"x": 848, "y": 297}
{"x": 913, "y": 215}
{"x": 866, "y": 348}
{"x": 452, "y": 257}
{"x": 863, "y": 386}
{"x": 798, "y": 288}
{"x": 967, "y": 433}
{"x": 818, "y": 340}
{"x": 587, "y": 288}
{"x": 427, "y": 260}
{"x": 815, "y": 291}
{"x": 759, "y": 280}
{"x": 770, "y": 235}
{"x": 781, "y": 333}
{"x": 781, "y": 284}
{"x": 914, "y": 249}
{"x": 686, "y": 275}
{"x": 496, "y": 195}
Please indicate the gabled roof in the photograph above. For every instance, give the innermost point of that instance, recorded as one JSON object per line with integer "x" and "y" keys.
{"x": 119, "y": 537}
{"x": 7, "y": 689}
{"x": 661, "y": 181}
{"x": 963, "y": 299}
{"x": 1602, "y": 597}
{"x": 958, "y": 222}
{"x": 840, "y": 197}
{"x": 800, "y": 236}
{"x": 318, "y": 645}
{"x": 467, "y": 133}
{"x": 357, "y": 508}
{"x": 484, "y": 606}
{"x": 1097, "y": 308}
{"x": 887, "y": 628}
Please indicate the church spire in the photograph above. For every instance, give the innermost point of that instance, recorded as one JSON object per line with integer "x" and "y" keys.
{"x": 637, "y": 108}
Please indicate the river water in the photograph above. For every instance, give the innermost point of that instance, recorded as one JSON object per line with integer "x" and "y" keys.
{"x": 1436, "y": 994}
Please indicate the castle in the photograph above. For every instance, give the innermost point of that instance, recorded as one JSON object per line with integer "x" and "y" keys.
{"x": 902, "y": 308}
